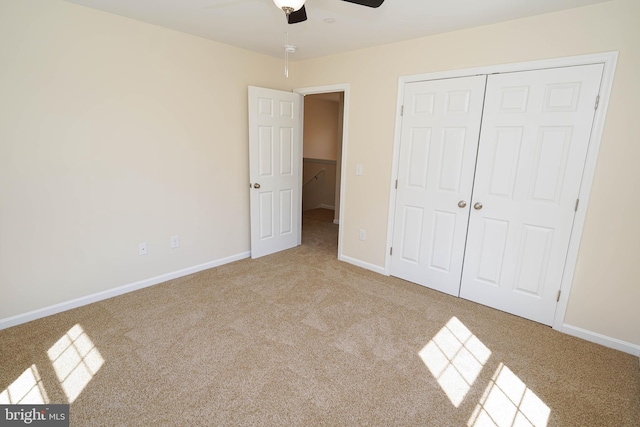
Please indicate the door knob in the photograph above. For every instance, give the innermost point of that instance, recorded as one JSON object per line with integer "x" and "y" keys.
{"x": 256, "y": 185}
{"x": 477, "y": 206}
{"x": 462, "y": 204}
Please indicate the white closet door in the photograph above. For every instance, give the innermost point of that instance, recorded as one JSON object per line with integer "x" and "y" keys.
{"x": 438, "y": 146}
{"x": 535, "y": 133}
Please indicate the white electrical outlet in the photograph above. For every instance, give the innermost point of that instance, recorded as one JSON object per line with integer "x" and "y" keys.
{"x": 175, "y": 242}
{"x": 363, "y": 234}
{"x": 142, "y": 248}
{"x": 359, "y": 169}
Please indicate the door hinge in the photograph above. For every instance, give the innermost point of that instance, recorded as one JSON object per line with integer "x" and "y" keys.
{"x": 396, "y": 184}
{"x": 597, "y": 101}
{"x": 558, "y": 298}
{"x": 391, "y": 250}
{"x": 402, "y": 110}
{"x": 577, "y": 203}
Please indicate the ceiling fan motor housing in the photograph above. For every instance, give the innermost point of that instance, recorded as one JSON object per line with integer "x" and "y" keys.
{"x": 289, "y": 6}
{"x": 295, "y": 10}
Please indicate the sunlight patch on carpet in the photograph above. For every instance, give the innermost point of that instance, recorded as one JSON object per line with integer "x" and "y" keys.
{"x": 455, "y": 358}
{"x": 76, "y": 360}
{"x": 27, "y": 389}
{"x": 507, "y": 402}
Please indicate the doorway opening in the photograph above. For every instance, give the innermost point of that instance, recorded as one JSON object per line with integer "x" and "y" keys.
{"x": 321, "y": 166}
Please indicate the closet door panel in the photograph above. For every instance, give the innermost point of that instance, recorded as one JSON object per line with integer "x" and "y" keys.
{"x": 438, "y": 147}
{"x": 533, "y": 144}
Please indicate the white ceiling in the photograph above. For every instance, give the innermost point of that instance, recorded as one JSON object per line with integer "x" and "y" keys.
{"x": 259, "y": 26}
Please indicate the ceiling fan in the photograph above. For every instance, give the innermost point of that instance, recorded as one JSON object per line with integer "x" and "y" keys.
{"x": 295, "y": 11}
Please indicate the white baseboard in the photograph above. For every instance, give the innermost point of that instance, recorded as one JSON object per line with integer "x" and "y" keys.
{"x": 362, "y": 264}
{"x": 321, "y": 206}
{"x": 110, "y": 293}
{"x": 604, "y": 340}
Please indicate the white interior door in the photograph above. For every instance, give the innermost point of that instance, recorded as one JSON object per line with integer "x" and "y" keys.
{"x": 275, "y": 156}
{"x": 438, "y": 145}
{"x": 534, "y": 139}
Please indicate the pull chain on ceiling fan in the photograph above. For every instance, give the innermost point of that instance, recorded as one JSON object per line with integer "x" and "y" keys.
{"x": 295, "y": 10}
{"x": 288, "y": 48}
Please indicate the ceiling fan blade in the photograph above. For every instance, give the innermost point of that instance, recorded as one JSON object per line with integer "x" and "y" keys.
{"x": 299, "y": 15}
{"x": 370, "y": 3}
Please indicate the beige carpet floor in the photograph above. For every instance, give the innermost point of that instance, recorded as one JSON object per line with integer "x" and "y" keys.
{"x": 301, "y": 339}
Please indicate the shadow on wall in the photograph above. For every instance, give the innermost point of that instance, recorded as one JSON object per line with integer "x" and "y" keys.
{"x": 319, "y": 184}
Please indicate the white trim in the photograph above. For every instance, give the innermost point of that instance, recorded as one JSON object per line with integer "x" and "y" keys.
{"x": 336, "y": 221}
{"x": 604, "y": 340}
{"x": 321, "y": 206}
{"x": 609, "y": 59}
{"x": 344, "y": 88}
{"x": 588, "y": 174}
{"x": 363, "y": 264}
{"x": 569, "y": 61}
{"x": 314, "y": 90}
{"x": 110, "y": 293}
{"x": 394, "y": 175}
{"x": 312, "y": 160}
{"x": 301, "y": 170}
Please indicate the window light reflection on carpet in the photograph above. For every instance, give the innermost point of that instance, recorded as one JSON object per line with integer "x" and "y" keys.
{"x": 76, "y": 360}
{"x": 507, "y": 402}
{"x": 27, "y": 389}
{"x": 455, "y": 358}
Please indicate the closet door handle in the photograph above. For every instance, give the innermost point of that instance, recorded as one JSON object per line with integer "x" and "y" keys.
{"x": 256, "y": 185}
{"x": 477, "y": 206}
{"x": 462, "y": 204}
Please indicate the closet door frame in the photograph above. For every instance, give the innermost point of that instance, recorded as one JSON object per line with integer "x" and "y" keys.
{"x": 609, "y": 60}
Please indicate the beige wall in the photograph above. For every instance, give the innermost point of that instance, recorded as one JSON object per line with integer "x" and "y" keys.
{"x": 114, "y": 132}
{"x": 320, "y": 128}
{"x": 605, "y": 293}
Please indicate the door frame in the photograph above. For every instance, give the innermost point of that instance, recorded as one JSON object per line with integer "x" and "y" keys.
{"x": 609, "y": 60}
{"x": 314, "y": 90}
